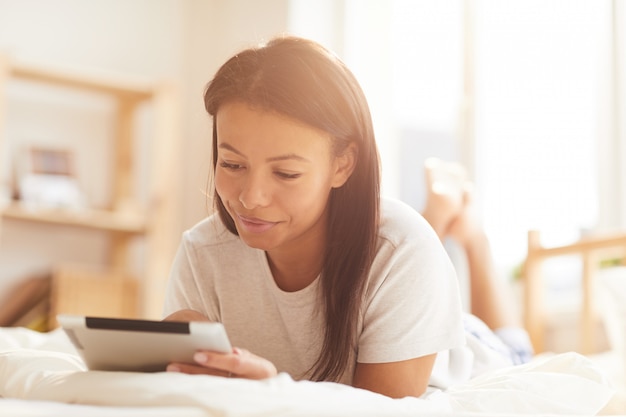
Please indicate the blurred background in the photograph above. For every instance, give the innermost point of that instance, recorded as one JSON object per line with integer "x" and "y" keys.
{"x": 529, "y": 95}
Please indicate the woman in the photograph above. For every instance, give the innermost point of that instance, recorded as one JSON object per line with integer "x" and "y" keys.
{"x": 303, "y": 265}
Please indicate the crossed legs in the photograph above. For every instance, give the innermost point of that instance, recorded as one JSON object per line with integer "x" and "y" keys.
{"x": 450, "y": 211}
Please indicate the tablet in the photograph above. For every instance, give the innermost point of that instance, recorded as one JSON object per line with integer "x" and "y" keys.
{"x": 112, "y": 344}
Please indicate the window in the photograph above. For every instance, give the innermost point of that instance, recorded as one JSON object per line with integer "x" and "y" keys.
{"x": 540, "y": 77}
{"x": 538, "y": 118}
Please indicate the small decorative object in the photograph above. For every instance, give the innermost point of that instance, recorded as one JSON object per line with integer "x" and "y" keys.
{"x": 48, "y": 180}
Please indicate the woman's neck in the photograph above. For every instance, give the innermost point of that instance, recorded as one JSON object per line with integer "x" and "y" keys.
{"x": 292, "y": 276}
{"x": 296, "y": 267}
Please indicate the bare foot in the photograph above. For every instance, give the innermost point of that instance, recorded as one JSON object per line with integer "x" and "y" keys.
{"x": 465, "y": 227}
{"x": 445, "y": 188}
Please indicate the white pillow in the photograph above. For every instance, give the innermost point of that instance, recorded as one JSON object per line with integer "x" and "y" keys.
{"x": 24, "y": 370}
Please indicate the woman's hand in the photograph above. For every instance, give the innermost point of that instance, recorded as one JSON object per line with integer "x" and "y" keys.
{"x": 238, "y": 364}
{"x": 185, "y": 315}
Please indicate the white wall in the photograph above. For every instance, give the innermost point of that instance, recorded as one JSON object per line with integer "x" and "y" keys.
{"x": 140, "y": 37}
{"x": 215, "y": 30}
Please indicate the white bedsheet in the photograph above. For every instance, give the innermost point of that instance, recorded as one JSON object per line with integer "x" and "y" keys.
{"x": 38, "y": 369}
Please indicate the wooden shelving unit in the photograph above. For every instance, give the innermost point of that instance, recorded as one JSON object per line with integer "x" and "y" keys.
{"x": 94, "y": 219}
{"x": 125, "y": 218}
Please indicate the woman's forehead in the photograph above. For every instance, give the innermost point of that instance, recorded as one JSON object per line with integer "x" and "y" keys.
{"x": 253, "y": 129}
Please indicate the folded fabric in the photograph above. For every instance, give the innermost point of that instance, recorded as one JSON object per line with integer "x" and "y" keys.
{"x": 566, "y": 383}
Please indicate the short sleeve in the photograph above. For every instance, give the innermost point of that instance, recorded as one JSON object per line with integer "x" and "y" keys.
{"x": 413, "y": 304}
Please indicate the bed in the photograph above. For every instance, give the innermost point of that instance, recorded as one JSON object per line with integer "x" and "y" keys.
{"x": 41, "y": 375}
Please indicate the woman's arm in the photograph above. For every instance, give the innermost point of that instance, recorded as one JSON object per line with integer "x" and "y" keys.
{"x": 395, "y": 379}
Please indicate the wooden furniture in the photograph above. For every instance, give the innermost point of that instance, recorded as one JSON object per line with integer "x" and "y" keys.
{"x": 28, "y": 304}
{"x": 77, "y": 289}
{"x": 125, "y": 217}
{"x": 591, "y": 250}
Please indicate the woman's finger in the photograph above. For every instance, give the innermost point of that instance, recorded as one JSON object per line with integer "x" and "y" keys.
{"x": 187, "y": 368}
{"x": 240, "y": 363}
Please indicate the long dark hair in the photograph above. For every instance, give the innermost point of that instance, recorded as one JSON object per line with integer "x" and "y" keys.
{"x": 302, "y": 80}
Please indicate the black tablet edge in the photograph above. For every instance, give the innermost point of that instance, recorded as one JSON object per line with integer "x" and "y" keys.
{"x": 104, "y": 323}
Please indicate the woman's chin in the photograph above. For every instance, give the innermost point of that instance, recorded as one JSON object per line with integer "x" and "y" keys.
{"x": 255, "y": 242}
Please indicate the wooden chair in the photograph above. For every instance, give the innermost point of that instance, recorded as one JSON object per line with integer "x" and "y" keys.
{"x": 590, "y": 249}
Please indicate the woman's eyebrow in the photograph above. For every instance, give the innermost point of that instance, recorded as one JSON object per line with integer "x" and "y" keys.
{"x": 294, "y": 156}
{"x": 288, "y": 156}
{"x": 230, "y": 148}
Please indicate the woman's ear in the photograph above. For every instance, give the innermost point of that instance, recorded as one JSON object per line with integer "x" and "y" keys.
{"x": 344, "y": 165}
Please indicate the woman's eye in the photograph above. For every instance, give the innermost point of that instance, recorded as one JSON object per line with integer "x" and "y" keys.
{"x": 230, "y": 166}
{"x": 287, "y": 176}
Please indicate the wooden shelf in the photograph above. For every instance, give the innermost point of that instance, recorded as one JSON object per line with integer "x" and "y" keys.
{"x": 132, "y": 223}
{"x": 156, "y": 225}
{"x": 113, "y": 85}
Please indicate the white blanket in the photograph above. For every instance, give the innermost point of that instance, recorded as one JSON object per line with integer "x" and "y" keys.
{"x": 44, "y": 367}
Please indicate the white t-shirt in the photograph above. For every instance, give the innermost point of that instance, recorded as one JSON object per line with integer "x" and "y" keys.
{"x": 411, "y": 308}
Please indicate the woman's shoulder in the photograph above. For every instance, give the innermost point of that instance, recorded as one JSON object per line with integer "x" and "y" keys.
{"x": 399, "y": 222}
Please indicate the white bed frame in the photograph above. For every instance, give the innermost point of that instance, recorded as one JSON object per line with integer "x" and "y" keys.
{"x": 589, "y": 249}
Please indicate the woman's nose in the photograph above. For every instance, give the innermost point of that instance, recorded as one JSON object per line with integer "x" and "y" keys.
{"x": 255, "y": 192}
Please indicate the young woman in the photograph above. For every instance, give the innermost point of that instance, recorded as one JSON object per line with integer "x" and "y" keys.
{"x": 310, "y": 273}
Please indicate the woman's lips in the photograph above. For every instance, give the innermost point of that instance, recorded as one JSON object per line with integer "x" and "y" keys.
{"x": 254, "y": 225}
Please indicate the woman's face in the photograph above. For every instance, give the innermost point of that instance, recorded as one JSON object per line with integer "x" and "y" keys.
{"x": 274, "y": 176}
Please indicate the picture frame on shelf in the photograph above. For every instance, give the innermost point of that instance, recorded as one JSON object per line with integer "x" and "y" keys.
{"x": 46, "y": 161}
{"x": 47, "y": 180}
